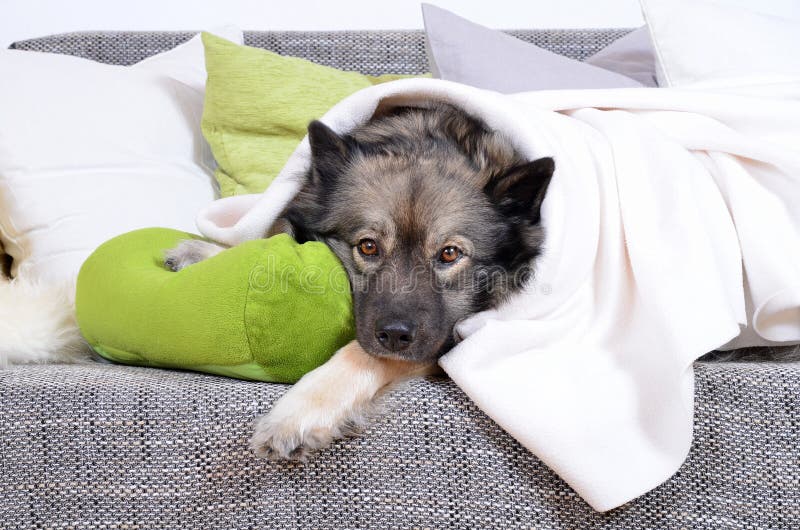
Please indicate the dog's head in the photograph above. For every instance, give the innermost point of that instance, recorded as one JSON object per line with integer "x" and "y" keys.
{"x": 427, "y": 235}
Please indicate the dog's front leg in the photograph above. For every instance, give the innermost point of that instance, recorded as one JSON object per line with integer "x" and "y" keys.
{"x": 329, "y": 402}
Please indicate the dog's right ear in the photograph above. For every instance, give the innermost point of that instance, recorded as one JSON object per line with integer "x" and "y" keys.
{"x": 329, "y": 152}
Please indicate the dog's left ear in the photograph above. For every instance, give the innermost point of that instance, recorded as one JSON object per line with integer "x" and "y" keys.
{"x": 521, "y": 189}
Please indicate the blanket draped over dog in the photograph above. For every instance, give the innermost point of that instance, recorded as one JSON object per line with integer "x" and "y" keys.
{"x": 672, "y": 229}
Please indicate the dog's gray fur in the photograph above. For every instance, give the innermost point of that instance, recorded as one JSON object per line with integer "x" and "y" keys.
{"x": 417, "y": 181}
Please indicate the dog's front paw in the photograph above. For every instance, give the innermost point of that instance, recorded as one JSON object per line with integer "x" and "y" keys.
{"x": 304, "y": 421}
{"x": 188, "y": 252}
{"x": 289, "y": 438}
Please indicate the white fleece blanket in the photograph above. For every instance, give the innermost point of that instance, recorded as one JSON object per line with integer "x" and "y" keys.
{"x": 673, "y": 228}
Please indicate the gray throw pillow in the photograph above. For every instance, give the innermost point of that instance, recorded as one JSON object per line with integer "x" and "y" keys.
{"x": 465, "y": 52}
{"x": 632, "y": 56}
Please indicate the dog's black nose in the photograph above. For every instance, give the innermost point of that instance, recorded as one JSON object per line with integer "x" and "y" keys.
{"x": 395, "y": 335}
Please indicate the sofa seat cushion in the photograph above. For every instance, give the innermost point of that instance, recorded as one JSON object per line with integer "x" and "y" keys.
{"x": 141, "y": 447}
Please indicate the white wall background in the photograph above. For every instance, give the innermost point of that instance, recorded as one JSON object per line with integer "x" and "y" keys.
{"x": 21, "y": 19}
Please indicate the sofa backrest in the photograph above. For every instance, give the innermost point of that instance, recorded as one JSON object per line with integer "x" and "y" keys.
{"x": 369, "y": 52}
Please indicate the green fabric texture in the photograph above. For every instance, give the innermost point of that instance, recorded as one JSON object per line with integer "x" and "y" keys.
{"x": 258, "y": 105}
{"x": 268, "y": 310}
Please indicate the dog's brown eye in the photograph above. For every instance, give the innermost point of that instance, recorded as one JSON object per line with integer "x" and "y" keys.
{"x": 449, "y": 254}
{"x": 368, "y": 247}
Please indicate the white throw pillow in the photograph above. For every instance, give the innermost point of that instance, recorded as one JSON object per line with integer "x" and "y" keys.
{"x": 722, "y": 42}
{"x": 89, "y": 151}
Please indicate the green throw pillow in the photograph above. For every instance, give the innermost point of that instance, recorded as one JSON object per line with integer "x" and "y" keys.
{"x": 258, "y": 105}
{"x": 268, "y": 310}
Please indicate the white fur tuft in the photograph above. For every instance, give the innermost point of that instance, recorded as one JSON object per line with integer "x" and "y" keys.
{"x": 37, "y": 324}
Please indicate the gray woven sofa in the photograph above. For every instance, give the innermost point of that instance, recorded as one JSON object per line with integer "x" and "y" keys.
{"x": 104, "y": 446}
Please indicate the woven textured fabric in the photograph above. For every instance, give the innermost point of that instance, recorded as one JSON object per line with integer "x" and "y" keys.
{"x": 368, "y": 52}
{"x": 104, "y": 446}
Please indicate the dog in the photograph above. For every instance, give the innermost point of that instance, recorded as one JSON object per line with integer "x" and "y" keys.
{"x": 435, "y": 217}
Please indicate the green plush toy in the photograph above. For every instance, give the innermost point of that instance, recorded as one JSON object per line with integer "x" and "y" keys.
{"x": 268, "y": 310}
